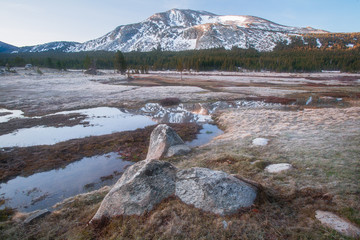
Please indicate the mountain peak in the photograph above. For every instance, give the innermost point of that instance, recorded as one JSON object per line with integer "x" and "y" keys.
{"x": 180, "y": 17}
{"x": 186, "y": 29}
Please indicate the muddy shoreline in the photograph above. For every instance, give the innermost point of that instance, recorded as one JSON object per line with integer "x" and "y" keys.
{"x": 132, "y": 145}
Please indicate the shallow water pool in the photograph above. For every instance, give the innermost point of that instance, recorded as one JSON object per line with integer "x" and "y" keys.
{"x": 43, "y": 190}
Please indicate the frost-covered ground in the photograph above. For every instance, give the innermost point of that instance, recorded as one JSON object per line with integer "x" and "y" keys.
{"x": 55, "y": 91}
{"x": 317, "y": 133}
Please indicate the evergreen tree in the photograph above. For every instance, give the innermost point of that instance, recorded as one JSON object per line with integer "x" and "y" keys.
{"x": 180, "y": 67}
{"x": 119, "y": 62}
{"x": 87, "y": 62}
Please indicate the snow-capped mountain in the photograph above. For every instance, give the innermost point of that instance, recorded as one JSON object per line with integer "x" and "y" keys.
{"x": 177, "y": 30}
{"x": 52, "y": 46}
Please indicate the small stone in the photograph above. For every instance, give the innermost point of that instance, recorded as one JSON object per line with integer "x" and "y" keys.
{"x": 337, "y": 223}
{"x": 36, "y": 215}
{"x": 279, "y": 167}
{"x": 225, "y": 224}
{"x": 260, "y": 141}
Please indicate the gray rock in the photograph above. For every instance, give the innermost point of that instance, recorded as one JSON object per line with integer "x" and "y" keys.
{"x": 214, "y": 191}
{"x": 162, "y": 138}
{"x": 37, "y": 215}
{"x": 177, "y": 150}
{"x": 142, "y": 186}
{"x": 279, "y": 167}
{"x": 260, "y": 141}
{"x": 225, "y": 224}
{"x": 337, "y": 223}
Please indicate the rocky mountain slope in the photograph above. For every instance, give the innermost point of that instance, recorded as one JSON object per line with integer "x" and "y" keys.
{"x": 178, "y": 30}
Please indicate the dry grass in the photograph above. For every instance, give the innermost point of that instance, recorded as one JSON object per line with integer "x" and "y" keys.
{"x": 321, "y": 143}
{"x": 274, "y": 218}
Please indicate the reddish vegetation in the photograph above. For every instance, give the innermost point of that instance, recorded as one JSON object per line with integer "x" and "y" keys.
{"x": 169, "y": 101}
{"x": 271, "y": 99}
{"x": 339, "y": 78}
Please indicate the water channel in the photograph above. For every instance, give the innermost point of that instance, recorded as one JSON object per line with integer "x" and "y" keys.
{"x": 43, "y": 190}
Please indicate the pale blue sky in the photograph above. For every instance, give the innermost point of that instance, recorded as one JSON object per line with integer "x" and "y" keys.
{"x": 30, "y": 22}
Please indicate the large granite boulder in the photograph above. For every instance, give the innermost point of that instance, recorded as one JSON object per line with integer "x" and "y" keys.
{"x": 142, "y": 186}
{"x": 165, "y": 142}
{"x": 214, "y": 191}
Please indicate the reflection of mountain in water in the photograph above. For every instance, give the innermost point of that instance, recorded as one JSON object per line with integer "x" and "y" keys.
{"x": 195, "y": 112}
{"x": 179, "y": 114}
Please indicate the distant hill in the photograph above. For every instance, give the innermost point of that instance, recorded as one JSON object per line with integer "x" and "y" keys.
{"x": 7, "y": 48}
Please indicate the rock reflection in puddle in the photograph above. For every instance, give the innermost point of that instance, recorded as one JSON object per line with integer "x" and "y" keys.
{"x": 182, "y": 113}
{"x": 42, "y": 190}
{"x": 106, "y": 120}
{"x": 195, "y": 112}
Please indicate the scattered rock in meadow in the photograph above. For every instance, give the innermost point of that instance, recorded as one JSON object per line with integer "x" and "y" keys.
{"x": 337, "y": 223}
{"x": 140, "y": 188}
{"x": 279, "y": 167}
{"x": 36, "y": 215}
{"x": 148, "y": 182}
{"x": 260, "y": 141}
{"x": 214, "y": 191}
{"x": 165, "y": 142}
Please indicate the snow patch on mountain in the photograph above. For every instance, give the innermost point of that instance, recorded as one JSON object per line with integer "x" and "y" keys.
{"x": 178, "y": 30}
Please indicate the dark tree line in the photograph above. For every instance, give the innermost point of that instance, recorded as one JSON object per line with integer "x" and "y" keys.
{"x": 295, "y": 57}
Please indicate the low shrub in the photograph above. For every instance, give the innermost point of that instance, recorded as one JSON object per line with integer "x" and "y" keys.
{"x": 169, "y": 101}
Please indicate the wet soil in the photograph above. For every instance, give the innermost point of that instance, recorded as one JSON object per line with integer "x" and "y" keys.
{"x": 132, "y": 145}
